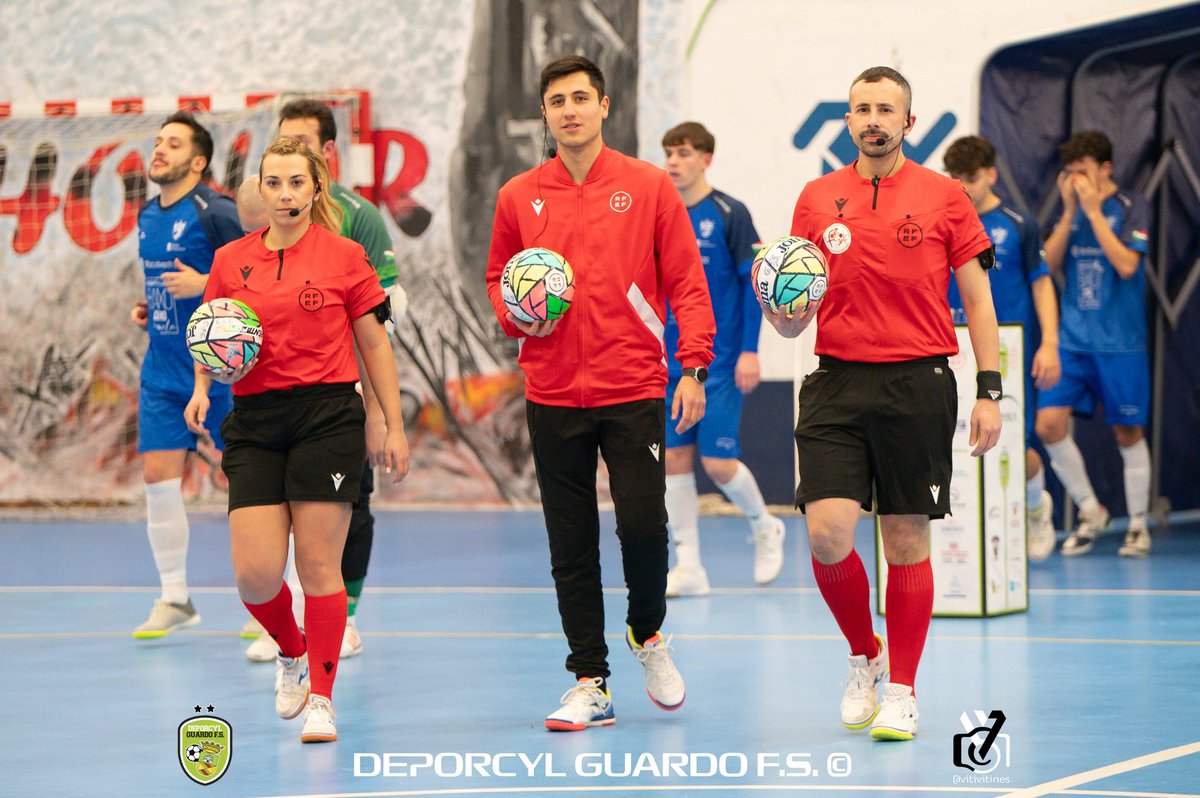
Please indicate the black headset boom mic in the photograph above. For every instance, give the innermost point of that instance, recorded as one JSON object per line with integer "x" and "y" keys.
{"x": 294, "y": 212}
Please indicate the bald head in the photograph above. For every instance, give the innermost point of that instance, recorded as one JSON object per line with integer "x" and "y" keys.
{"x": 252, "y": 211}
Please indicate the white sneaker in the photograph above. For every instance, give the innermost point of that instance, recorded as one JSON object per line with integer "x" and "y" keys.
{"x": 1137, "y": 541}
{"x": 320, "y": 721}
{"x": 664, "y": 685}
{"x": 252, "y": 629}
{"x": 1040, "y": 537}
{"x": 583, "y": 705}
{"x": 352, "y": 644}
{"x": 1084, "y": 537}
{"x": 685, "y": 580}
{"x": 860, "y": 701}
{"x": 897, "y": 718}
{"x": 291, "y": 685}
{"x": 263, "y": 649}
{"x": 768, "y": 551}
{"x": 165, "y": 618}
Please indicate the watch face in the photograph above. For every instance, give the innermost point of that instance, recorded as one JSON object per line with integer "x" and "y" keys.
{"x": 699, "y": 374}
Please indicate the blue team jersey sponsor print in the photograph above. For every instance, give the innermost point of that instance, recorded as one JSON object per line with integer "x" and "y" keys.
{"x": 726, "y": 236}
{"x": 1102, "y": 312}
{"x": 165, "y": 234}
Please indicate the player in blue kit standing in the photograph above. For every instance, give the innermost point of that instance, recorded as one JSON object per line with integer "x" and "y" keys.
{"x": 1098, "y": 244}
{"x": 178, "y": 232}
{"x": 726, "y": 237}
{"x": 1022, "y": 292}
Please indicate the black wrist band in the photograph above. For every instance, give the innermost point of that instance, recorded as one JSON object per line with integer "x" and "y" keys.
{"x": 987, "y": 385}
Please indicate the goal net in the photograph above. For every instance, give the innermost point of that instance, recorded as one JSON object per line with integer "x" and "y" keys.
{"x": 72, "y": 179}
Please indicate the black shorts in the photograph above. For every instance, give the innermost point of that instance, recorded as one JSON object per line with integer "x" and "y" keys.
{"x": 886, "y": 426}
{"x": 301, "y": 444}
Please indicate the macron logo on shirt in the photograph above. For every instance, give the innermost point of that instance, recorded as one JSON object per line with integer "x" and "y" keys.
{"x": 537, "y": 204}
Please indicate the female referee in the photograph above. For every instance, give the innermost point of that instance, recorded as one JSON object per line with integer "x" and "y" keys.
{"x": 295, "y": 442}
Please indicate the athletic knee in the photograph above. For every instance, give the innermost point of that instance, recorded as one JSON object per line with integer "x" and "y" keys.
{"x": 679, "y": 460}
{"x": 720, "y": 471}
{"x": 829, "y": 544}
{"x": 1128, "y": 436}
{"x": 1050, "y": 429}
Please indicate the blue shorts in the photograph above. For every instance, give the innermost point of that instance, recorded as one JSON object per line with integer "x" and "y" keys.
{"x": 1120, "y": 381}
{"x": 160, "y": 419}
{"x": 717, "y": 432}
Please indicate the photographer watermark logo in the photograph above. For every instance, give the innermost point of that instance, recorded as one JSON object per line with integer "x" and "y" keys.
{"x": 205, "y": 746}
{"x": 982, "y": 748}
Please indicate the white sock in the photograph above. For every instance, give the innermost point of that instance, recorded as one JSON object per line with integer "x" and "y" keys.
{"x": 1033, "y": 489}
{"x": 743, "y": 491}
{"x": 1067, "y": 462}
{"x": 1137, "y": 479}
{"x": 683, "y": 519}
{"x": 167, "y": 528}
{"x": 293, "y": 580}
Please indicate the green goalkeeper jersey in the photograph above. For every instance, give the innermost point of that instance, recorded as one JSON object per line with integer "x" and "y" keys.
{"x": 362, "y": 222}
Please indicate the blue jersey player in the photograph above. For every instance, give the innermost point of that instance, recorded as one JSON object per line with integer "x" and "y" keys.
{"x": 178, "y": 232}
{"x": 726, "y": 236}
{"x": 1098, "y": 244}
{"x": 1022, "y": 292}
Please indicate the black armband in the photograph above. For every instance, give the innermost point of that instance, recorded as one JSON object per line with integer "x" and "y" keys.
{"x": 987, "y": 258}
{"x": 383, "y": 311}
{"x": 987, "y": 386}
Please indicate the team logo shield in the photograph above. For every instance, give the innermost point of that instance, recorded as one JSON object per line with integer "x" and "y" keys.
{"x": 205, "y": 748}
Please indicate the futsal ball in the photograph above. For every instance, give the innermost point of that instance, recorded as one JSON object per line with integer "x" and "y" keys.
{"x": 224, "y": 333}
{"x": 537, "y": 285}
{"x": 193, "y": 753}
{"x": 789, "y": 275}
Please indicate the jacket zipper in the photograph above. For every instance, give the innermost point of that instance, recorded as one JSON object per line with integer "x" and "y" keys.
{"x": 583, "y": 371}
{"x": 874, "y": 194}
{"x": 279, "y": 272}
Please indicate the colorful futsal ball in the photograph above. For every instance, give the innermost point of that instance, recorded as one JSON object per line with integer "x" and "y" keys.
{"x": 224, "y": 333}
{"x": 537, "y": 285}
{"x": 789, "y": 275}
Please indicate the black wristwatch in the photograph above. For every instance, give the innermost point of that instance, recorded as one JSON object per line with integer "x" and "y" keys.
{"x": 698, "y": 374}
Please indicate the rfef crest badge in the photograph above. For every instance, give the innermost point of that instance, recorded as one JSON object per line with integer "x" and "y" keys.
{"x": 205, "y": 747}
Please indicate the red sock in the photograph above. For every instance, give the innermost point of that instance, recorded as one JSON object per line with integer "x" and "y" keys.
{"x": 909, "y": 605}
{"x": 277, "y": 618}
{"x": 844, "y": 588}
{"x": 324, "y": 625}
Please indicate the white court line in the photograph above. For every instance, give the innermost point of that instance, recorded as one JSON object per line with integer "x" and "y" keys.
{"x": 491, "y": 635}
{"x": 1115, "y": 769}
{"x": 727, "y": 591}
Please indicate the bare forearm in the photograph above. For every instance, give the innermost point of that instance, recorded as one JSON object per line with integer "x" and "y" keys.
{"x": 1045, "y": 306}
{"x": 1123, "y": 259}
{"x": 1055, "y": 246}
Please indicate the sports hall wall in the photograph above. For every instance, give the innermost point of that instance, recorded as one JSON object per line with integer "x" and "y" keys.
{"x": 452, "y": 87}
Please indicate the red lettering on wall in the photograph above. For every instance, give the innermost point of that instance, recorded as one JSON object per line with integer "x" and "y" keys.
{"x": 77, "y": 211}
{"x": 37, "y": 203}
{"x": 411, "y": 216}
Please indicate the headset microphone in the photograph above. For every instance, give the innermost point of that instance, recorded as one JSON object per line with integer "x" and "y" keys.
{"x": 294, "y": 212}
{"x": 879, "y": 142}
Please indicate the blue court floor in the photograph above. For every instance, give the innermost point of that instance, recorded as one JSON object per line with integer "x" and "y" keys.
{"x": 463, "y": 658}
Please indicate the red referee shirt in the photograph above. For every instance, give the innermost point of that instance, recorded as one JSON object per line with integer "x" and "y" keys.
{"x": 890, "y": 251}
{"x": 306, "y": 297}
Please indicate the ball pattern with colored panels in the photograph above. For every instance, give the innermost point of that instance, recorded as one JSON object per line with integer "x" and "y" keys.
{"x": 537, "y": 285}
{"x": 224, "y": 333}
{"x": 789, "y": 275}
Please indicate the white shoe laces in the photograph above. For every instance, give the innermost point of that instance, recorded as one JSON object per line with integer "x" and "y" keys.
{"x": 320, "y": 711}
{"x": 587, "y": 693}
{"x": 657, "y": 658}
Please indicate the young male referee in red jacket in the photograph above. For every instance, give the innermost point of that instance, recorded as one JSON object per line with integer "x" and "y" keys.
{"x": 595, "y": 379}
